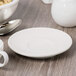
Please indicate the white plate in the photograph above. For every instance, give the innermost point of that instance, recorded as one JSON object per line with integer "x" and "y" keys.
{"x": 40, "y": 42}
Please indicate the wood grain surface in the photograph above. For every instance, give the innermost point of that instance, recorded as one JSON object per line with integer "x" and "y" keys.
{"x": 36, "y": 14}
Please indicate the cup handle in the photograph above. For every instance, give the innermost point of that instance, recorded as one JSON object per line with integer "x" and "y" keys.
{"x": 6, "y": 58}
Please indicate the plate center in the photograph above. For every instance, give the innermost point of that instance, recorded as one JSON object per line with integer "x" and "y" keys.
{"x": 40, "y": 45}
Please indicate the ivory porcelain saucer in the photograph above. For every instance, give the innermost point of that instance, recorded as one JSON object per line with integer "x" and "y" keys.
{"x": 40, "y": 42}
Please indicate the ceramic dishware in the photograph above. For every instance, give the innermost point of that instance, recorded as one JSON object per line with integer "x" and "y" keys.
{"x": 7, "y": 10}
{"x": 4, "y": 54}
{"x": 40, "y": 42}
{"x": 64, "y": 12}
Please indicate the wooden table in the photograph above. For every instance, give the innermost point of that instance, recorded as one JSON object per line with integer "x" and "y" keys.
{"x": 35, "y": 14}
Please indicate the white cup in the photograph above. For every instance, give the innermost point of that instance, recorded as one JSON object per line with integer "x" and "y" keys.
{"x": 4, "y": 54}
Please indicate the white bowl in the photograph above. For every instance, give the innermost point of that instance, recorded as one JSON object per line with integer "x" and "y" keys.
{"x": 7, "y": 10}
